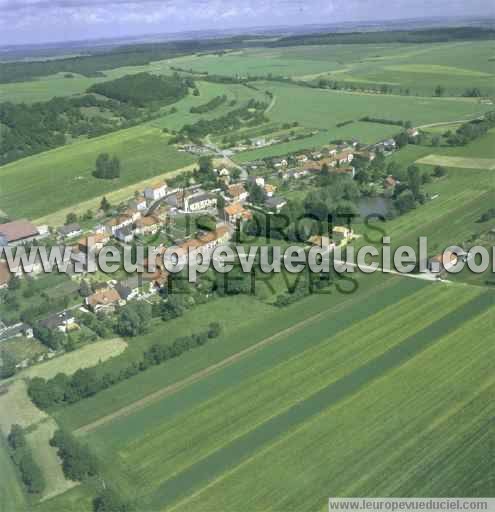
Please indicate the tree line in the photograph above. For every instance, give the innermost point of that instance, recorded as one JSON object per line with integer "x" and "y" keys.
{"x": 63, "y": 389}
{"x": 79, "y": 464}
{"x": 106, "y": 167}
{"x": 233, "y": 120}
{"x": 31, "y": 129}
{"x": 471, "y": 130}
{"x": 21, "y": 454}
{"x": 380, "y": 120}
{"x": 143, "y": 89}
{"x": 210, "y": 105}
{"x": 431, "y": 35}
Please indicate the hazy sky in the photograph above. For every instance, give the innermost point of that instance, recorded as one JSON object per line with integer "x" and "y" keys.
{"x": 33, "y": 21}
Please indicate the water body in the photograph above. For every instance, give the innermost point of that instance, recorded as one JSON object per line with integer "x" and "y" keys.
{"x": 374, "y": 206}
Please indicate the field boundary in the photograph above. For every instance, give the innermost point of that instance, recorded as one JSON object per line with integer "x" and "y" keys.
{"x": 118, "y": 195}
{"x": 458, "y": 161}
{"x": 206, "y": 372}
{"x": 171, "y": 494}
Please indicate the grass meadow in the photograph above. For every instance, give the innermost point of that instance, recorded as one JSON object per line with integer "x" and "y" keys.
{"x": 242, "y": 413}
{"x": 324, "y": 110}
{"x": 249, "y": 322}
{"x": 11, "y": 491}
{"x": 41, "y": 184}
{"x": 422, "y": 428}
{"x": 379, "y": 385}
{"x": 420, "y": 68}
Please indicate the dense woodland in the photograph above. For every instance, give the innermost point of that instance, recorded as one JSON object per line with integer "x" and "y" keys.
{"x": 30, "y": 129}
{"x": 143, "y": 89}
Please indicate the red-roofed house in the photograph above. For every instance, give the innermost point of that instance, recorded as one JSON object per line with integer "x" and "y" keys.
{"x": 17, "y": 232}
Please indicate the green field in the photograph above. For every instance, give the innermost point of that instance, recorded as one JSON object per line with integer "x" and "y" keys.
{"x": 238, "y": 335}
{"x": 11, "y": 492}
{"x": 241, "y": 413}
{"x": 377, "y": 386}
{"x": 423, "y": 428}
{"x": 143, "y": 150}
{"x": 459, "y": 162}
{"x": 419, "y": 68}
{"x": 57, "y": 179}
{"x": 324, "y": 110}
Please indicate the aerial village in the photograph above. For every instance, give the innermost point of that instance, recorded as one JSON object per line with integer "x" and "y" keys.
{"x": 156, "y": 217}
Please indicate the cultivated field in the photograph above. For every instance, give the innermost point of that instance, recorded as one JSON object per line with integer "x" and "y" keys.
{"x": 245, "y": 407}
{"x": 457, "y": 161}
{"x": 18, "y": 409}
{"x": 423, "y": 427}
{"x": 249, "y": 323}
{"x": 379, "y": 385}
{"x": 85, "y": 357}
{"x": 325, "y": 109}
{"x": 65, "y": 174}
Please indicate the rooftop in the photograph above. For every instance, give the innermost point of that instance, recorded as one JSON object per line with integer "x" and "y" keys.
{"x": 104, "y": 297}
{"x": 18, "y": 230}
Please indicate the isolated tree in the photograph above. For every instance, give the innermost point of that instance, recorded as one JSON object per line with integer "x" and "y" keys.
{"x": 405, "y": 201}
{"x": 88, "y": 215}
{"x": 114, "y": 168}
{"x": 107, "y": 168}
{"x": 102, "y": 162}
{"x": 105, "y": 205}
{"x": 435, "y": 141}
{"x": 205, "y": 163}
{"x": 71, "y": 218}
{"x": 214, "y": 330}
{"x": 439, "y": 90}
{"x": 85, "y": 289}
{"x": 439, "y": 171}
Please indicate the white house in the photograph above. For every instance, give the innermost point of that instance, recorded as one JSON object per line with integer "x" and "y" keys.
{"x": 199, "y": 202}
{"x": 117, "y": 223}
{"x": 257, "y": 180}
{"x": 156, "y": 192}
{"x": 125, "y": 235}
{"x": 70, "y": 230}
{"x": 138, "y": 203}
